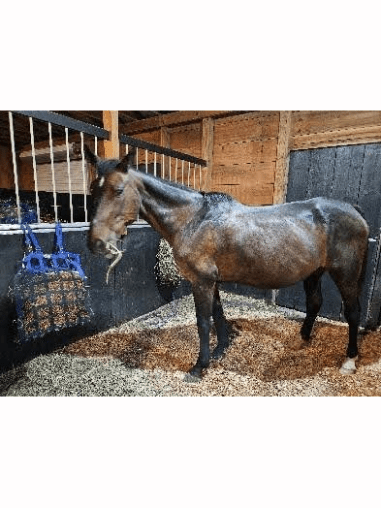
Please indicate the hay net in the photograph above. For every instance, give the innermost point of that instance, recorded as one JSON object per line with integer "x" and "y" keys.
{"x": 49, "y": 290}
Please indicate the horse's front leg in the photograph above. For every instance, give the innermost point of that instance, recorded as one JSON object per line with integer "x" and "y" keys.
{"x": 203, "y": 300}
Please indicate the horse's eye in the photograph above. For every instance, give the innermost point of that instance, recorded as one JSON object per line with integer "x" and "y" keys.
{"x": 119, "y": 191}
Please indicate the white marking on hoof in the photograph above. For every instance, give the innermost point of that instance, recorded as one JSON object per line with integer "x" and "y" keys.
{"x": 349, "y": 366}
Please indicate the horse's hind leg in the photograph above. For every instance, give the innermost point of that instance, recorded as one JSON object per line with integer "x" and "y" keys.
{"x": 221, "y": 326}
{"x": 312, "y": 287}
{"x": 350, "y": 292}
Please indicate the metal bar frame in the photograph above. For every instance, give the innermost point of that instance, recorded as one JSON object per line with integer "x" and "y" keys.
{"x": 66, "y": 121}
{"x": 51, "y": 118}
{"x": 139, "y": 143}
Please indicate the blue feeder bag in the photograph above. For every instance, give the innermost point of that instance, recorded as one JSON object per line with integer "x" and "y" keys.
{"x": 49, "y": 289}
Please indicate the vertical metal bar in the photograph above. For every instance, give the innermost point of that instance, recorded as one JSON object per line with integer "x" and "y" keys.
{"x": 182, "y": 172}
{"x": 162, "y": 168}
{"x": 170, "y": 168}
{"x": 15, "y": 175}
{"x": 34, "y": 168}
{"x": 126, "y": 149}
{"x": 53, "y": 173}
{"x": 189, "y": 174}
{"x": 194, "y": 176}
{"x": 154, "y": 164}
{"x": 176, "y": 164}
{"x": 96, "y": 145}
{"x": 146, "y": 161}
{"x": 85, "y": 177}
{"x": 200, "y": 176}
{"x": 69, "y": 175}
{"x": 137, "y": 157}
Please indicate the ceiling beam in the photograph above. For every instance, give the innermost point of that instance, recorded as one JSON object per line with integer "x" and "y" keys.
{"x": 172, "y": 120}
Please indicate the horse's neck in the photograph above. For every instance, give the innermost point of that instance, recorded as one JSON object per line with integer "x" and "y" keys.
{"x": 166, "y": 208}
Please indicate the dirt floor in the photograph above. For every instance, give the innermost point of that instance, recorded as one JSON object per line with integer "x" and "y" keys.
{"x": 266, "y": 356}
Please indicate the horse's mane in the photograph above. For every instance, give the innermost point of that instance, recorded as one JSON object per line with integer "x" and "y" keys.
{"x": 215, "y": 198}
{"x": 169, "y": 183}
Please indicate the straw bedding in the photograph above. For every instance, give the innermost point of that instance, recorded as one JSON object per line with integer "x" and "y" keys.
{"x": 150, "y": 356}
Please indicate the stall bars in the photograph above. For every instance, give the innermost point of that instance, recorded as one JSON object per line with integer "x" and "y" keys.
{"x": 160, "y": 161}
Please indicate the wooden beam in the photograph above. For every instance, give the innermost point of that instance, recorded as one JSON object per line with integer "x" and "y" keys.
{"x": 172, "y": 120}
{"x": 207, "y": 151}
{"x": 110, "y": 148}
{"x": 165, "y": 137}
{"x": 282, "y": 159}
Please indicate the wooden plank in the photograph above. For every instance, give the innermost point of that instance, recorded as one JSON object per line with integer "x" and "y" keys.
{"x": 246, "y": 127}
{"x": 165, "y": 138}
{"x": 6, "y": 168}
{"x": 242, "y": 174}
{"x": 44, "y": 178}
{"x": 171, "y": 120}
{"x": 187, "y": 140}
{"x": 109, "y": 148}
{"x": 315, "y": 122}
{"x": 342, "y": 173}
{"x": 282, "y": 157}
{"x": 298, "y": 175}
{"x": 207, "y": 141}
{"x": 322, "y": 162}
{"x": 42, "y": 153}
{"x": 245, "y": 152}
{"x": 369, "y": 197}
{"x": 352, "y": 136}
{"x": 355, "y": 172}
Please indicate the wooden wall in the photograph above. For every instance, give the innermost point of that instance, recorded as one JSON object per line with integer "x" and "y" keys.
{"x": 313, "y": 129}
{"x": 6, "y": 168}
{"x": 241, "y": 151}
{"x": 248, "y": 153}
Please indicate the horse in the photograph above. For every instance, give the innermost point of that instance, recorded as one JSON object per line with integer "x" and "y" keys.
{"x": 216, "y": 239}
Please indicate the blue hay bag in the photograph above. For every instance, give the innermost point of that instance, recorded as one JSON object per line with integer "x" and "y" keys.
{"x": 49, "y": 290}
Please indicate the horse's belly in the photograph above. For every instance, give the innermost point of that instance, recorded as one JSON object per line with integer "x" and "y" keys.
{"x": 270, "y": 278}
{"x": 270, "y": 268}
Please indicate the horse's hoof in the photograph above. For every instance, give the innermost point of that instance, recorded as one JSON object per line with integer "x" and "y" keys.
{"x": 349, "y": 366}
{"x": 189, "y": 378}
{"x": 194, "y": 375}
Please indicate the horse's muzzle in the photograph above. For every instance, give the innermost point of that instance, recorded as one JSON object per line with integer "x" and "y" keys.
{"x": 98, "y": 246}
{"x": 107, "y": 249}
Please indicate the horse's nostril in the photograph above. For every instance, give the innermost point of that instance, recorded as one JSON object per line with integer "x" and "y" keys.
{"x": 97, "y": 246}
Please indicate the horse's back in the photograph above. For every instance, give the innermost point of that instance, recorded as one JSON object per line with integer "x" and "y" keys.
{"x": 270, "y": 246}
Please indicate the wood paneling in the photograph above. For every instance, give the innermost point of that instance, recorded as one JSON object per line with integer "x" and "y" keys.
{"x": 187, "y": 139}
{"x": 282, "y": 159}
{"x": 6, "y": 168}
{"x": 109, "y": 148}
{"x": 207, "y": 142}
{"x": 244, "y": 156}
{"x": 171, "y": 120}
{"x": 313, "y": 129}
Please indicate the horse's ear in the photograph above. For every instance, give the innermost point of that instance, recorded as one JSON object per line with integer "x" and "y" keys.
{"x": 89, "y": 155}
{"x": 128, "y": 160}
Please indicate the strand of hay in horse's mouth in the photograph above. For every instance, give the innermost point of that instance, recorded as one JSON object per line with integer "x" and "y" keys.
{"x": 113, "y": 251}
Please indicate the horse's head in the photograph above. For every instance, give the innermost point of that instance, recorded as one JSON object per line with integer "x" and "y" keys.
{"x": 116, "y": 202}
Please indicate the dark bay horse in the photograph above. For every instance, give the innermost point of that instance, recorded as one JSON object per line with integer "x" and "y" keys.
{"x": 215, "y": 238}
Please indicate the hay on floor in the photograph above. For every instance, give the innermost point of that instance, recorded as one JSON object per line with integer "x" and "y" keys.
{"x": 266, "y": 348}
